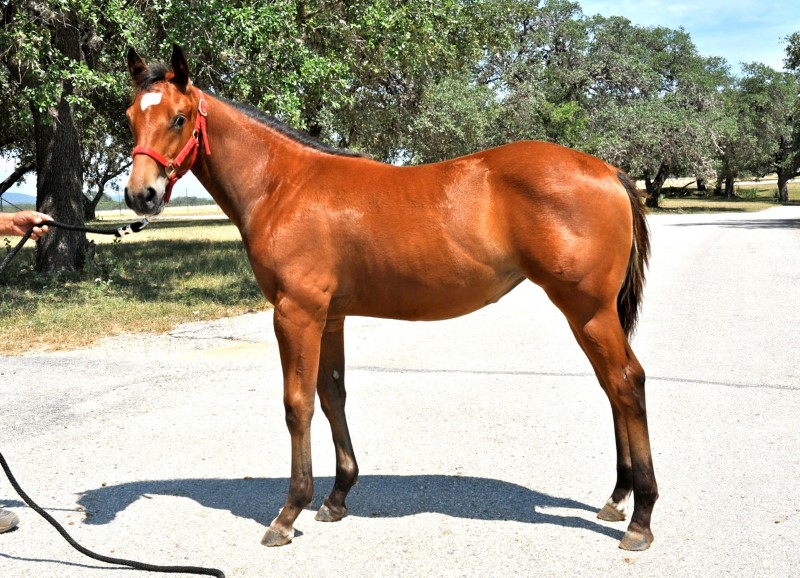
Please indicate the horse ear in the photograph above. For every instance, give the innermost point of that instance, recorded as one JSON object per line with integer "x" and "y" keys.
{"x": 180, "y": 67}
{"x": 136, "y": 64}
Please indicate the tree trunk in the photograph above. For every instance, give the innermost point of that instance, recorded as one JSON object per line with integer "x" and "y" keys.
{"x": 729, "y": 191}
{"x": 787, "y": 164}
{"x": 59, "y": 168}
{"x": 718, "y": 186}
{"x": 783, "y": 188}
{"x": 90, "y": 206}
{"x": 654, "y": 187}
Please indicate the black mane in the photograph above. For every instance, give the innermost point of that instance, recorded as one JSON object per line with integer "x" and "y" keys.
{"x": 286, "y": 130}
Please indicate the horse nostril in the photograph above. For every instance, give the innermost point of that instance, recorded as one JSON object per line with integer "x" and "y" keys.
{"x": 127, "y": 197}
{"x": 151, "y": 194}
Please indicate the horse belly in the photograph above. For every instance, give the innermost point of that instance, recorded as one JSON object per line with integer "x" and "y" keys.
{"x": 440, "y": 294}
{"x": 437, "y": 259}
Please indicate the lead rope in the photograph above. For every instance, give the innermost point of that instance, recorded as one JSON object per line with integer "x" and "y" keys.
{"x": 107, "y": 559}
{"x": 119, "y": 232}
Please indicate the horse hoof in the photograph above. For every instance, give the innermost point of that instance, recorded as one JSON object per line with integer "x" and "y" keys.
{"x": 275, "y": 537}
{"x": 636, "y": 541}
{"x": 326, "y": 514}
{"x": 611, "y": 514}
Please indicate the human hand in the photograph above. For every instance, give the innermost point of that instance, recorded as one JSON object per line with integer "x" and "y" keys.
{"x": 22, "y": 221}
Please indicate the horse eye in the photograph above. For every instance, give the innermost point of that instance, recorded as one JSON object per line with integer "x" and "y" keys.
{"x": 179, "y": 121}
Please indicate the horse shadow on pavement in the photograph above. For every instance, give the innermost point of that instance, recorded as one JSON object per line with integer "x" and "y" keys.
{"x": 375, "y": 496}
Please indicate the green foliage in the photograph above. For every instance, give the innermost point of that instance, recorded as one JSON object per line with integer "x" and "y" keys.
{"x": 654, "y": 105}
{"x": 402, "y": 80}
{"x": 793, "y": 52}
{"x": 760, "y": 107}
{"x": 349, "y": 72}
{"x": 455, "y": 118}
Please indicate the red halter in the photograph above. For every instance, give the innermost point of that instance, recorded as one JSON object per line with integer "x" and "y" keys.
{"x": 189, "y": 149}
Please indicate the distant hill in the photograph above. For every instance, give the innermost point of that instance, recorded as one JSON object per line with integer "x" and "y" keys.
{"x": 18, "y": 199}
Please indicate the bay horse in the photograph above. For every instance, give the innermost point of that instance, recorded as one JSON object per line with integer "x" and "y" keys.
{"x": 330, "y": 234}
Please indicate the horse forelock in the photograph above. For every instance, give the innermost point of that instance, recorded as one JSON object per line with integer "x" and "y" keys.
{"x": 152, "y": 75}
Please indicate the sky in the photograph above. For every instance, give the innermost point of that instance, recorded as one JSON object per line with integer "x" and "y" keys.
{"x": 737, "y": 30}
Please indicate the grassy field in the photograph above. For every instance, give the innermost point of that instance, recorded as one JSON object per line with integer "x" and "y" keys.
{"x": 188, "y": 265}
{"x": 749, "y": 197}
{"x": 181, "y": 268}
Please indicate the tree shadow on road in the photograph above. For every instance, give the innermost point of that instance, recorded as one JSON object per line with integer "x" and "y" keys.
{"x": 375, "y": 496}
{"x": 746, "y": 224}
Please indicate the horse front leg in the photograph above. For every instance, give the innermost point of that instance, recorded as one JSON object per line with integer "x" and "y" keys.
{"x": 299, "y": 334}
{"x": 332, "y": 396}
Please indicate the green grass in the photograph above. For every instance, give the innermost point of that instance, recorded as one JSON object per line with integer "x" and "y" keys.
{"x": 748, "y": 198}
{"x": 173, "y": 272}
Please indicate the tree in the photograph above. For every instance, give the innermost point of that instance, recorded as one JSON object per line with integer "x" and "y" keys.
{"x": 641, "y": 98}
{"x": 352, "y": 73}
{"x": 792, "y": 60}
{"x": 107, "y": 163}
{"x": 760, "y": 107}
{"x": 48, "y": 51}
{"x": 537, "y": 70}
{"x": 456, "y": 116}
{"x": 404, "y": 80}
{"x": 106, "y": 144}
{"x": 655, "y": 102}
{"x": 41, "y": 46}
{"x": 15, "y": 137}
{"x": 787, "y": 158}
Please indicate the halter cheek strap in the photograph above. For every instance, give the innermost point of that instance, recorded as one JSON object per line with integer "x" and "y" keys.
{"x": 171, "y": 166}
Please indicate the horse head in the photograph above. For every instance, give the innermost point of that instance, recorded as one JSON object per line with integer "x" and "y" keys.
{"x": 167, "y": 119}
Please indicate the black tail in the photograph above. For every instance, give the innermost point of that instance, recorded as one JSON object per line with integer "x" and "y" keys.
{"x": 629, "y": 300}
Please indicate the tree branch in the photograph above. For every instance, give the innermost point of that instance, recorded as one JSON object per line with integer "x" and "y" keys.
{"x": 20, "y": 171}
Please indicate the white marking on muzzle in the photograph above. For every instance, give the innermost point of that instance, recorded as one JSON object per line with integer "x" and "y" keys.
{"x": 150, "y": 99}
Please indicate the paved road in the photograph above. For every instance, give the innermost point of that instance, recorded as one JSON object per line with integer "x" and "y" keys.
{"x": 484, "y": 442}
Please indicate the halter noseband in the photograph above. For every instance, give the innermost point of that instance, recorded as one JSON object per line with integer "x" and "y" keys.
{"x": 189, "y": 149}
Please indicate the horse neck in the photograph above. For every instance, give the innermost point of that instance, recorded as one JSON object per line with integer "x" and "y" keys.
{"x": 246, "y": 157}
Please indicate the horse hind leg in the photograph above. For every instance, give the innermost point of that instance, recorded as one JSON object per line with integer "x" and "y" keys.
{"x": 614, "y": 509}
{"x": 332, "y": 396}
{"x": 622, "y": 378}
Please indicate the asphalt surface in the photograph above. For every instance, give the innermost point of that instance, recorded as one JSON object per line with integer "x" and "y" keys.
{"x": 485, "y": 443}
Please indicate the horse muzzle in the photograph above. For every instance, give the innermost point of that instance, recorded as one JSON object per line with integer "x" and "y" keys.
{"x": 147, "y": 200}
